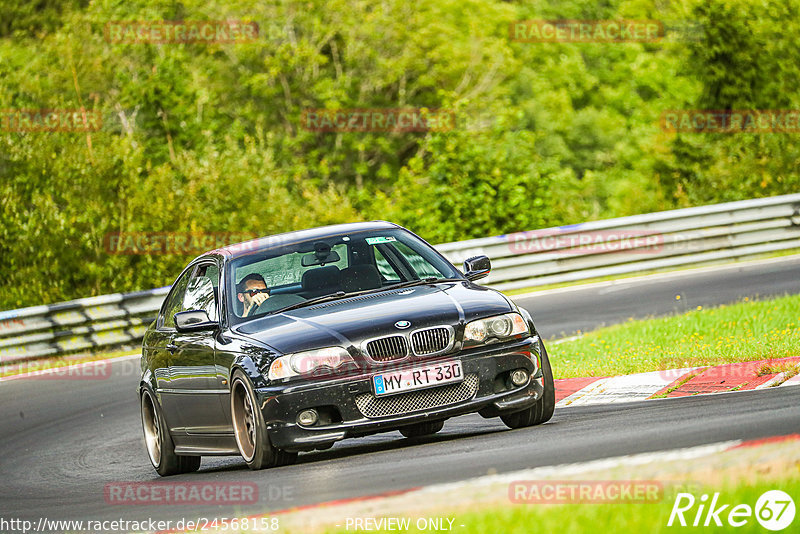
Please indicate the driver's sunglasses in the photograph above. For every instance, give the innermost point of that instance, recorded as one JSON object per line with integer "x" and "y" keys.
{"x": 254, "y": 292}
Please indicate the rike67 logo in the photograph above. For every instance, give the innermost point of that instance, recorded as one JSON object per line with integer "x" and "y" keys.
{"x": 774, "y": 510}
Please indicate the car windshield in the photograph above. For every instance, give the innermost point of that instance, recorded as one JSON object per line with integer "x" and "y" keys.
{"x": 276, "y": 278}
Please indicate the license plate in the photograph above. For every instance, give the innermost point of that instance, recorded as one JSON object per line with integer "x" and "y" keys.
{"x": 418, "y": 378}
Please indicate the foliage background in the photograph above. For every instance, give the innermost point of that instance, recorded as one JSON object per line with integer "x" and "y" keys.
{"x": 200, "y": 137}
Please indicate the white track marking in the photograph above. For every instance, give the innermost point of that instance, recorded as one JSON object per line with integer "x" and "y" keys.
{"x": 777, "y": 379}
{"x": 625, "y": 388}
{"x": 566, "y": 470}
{"x": 794, "y": 381}
{"x": 64, "y": 368}
{"x": 565, "y": 339}
{"x": 585, "y": 390}
{"x": 780, "y": 380}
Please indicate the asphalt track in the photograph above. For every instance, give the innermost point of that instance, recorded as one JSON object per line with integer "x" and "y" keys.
{"x": 562, "y": 313}
{"x": 62, "y": 441}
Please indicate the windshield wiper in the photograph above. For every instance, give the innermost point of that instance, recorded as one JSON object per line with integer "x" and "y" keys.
{"x": 420, "y": 282}
{"x": 309, "y": 302}
{"x": 407, "y": 283}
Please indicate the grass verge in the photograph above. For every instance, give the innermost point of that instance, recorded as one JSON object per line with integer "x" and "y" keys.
{"x": 746, "y": 331}
{"x": 733, "y": 476}
{"x": 622, "y": 517}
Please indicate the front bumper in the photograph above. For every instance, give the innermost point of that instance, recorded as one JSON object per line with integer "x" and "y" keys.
{"x": 493, "y": 396}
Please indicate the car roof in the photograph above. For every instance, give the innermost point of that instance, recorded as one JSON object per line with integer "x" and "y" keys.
{"x": 262, "y": 243}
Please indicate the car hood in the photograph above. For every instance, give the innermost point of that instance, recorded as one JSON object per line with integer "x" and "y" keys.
{"x": 347, "y": 322}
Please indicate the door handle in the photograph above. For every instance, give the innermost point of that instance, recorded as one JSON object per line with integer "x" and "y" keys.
{"x": 172, "y": 348}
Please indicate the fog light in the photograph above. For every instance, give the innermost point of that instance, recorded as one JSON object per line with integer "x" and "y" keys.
{"x": 519, "y": 377}
{"x": 308, "y": 417}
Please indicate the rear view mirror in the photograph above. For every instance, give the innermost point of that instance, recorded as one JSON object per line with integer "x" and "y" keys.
{"x": 193, "y": 321}
{"x": 477, "y": 267}
{"x": 320, "y": 258}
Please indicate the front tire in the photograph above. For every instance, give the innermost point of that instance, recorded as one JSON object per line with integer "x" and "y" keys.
{"x": 422, "y": 429}
{"x": 250, "y": 429}
{"x": 160, "y": 447}
{"x": 542, "y": 411}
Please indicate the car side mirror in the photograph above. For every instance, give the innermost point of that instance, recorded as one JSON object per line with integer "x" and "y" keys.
{"x": 194, "y": 321}
{"x": 477, "y": 267}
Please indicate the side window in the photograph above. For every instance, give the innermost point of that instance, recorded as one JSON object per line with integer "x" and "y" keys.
{"x": 386, "y": 270}
{"x": 174, "y": 301}
{"x": 202, "y": 289}
{"x": 211, "y": 271}
{"x": 421, "y": 267}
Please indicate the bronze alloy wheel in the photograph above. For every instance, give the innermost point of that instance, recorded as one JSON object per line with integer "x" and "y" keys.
{"x": 152, "y": 429}
{"x": 251, "y": 431}
{"x": 160, "y": 447}
{"x": 244, "y": 422}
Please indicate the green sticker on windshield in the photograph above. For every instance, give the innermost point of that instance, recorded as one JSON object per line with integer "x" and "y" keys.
{"x": 379, "y": 240}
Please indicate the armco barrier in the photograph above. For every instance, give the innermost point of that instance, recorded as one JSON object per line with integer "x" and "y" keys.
{"x": 83, "y": 324}
{"x": 692, "y": 236}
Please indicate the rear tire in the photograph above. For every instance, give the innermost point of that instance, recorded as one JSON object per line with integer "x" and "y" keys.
{"x": 422, "y": 429}
{"x": 160, "y": 447}
{"x": 189, "y": 464}
{"x": 250, "y": 429}
{"x": 542, "y": 411}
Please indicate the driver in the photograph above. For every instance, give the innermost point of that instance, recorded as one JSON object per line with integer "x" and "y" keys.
{"x": 252, "y": 292}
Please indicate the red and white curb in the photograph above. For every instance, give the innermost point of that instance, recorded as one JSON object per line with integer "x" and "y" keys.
{"x": 626, "y": 388}
{"x": 795, "y": 381}
{"x": 608, "y": 464}
{"x": 326, "y": 515}
{"x": 684, "y": 382}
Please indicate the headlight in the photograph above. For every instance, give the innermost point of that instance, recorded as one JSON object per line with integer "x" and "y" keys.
{"x": 498, "y": 327}
{"x": 301, "y": 363}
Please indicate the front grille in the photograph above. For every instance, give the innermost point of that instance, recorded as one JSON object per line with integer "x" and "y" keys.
{"x": 430, "y": 341}
{"x": 371, "y": 406}
{"x": 386, "y": 349}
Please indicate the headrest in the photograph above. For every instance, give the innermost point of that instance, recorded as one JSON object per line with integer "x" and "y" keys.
{"x": 321, "y": 277}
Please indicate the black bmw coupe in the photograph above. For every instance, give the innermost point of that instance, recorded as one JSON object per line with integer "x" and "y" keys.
{"x": 293, "y": 342}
